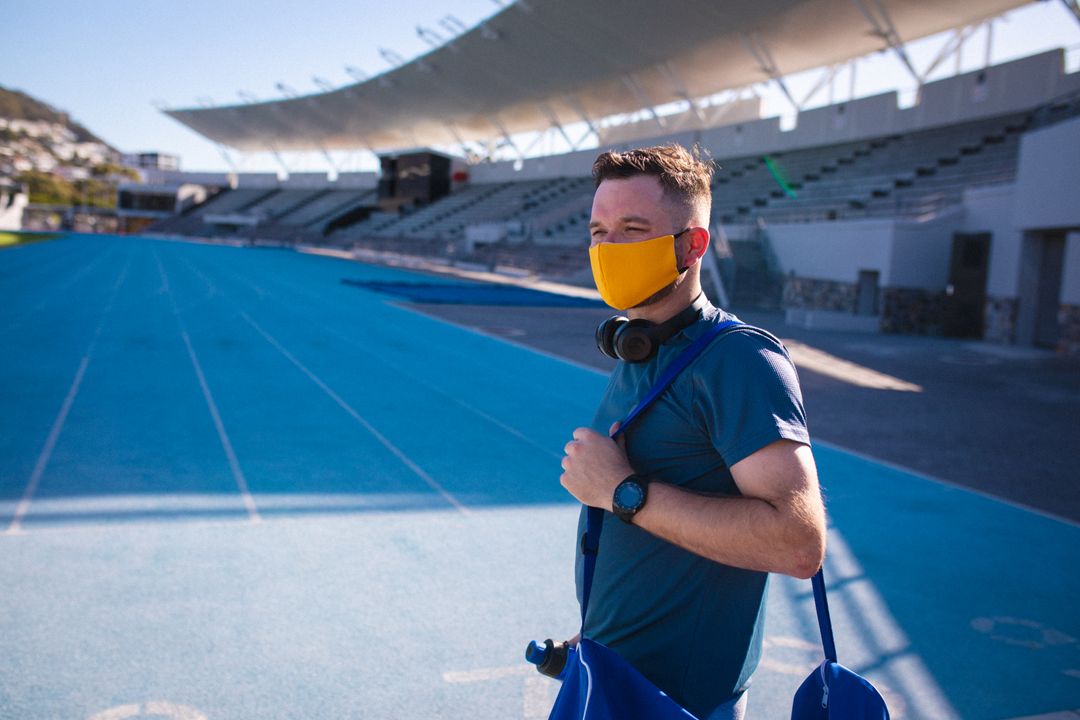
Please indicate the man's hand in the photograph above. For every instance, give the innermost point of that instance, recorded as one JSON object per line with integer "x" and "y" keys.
{"x": 593, "y": 466}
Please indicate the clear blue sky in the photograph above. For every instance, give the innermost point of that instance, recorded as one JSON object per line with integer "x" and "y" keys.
{"x": 107, "y": 62}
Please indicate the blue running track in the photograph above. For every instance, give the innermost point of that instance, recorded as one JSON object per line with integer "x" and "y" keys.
{"x": 246, "y": 483}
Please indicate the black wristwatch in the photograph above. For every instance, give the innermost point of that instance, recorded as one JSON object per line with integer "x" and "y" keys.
{"x": 629, "y": 497}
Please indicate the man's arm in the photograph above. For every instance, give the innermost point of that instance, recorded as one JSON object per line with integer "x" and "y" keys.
{"x": 778, "y": 525}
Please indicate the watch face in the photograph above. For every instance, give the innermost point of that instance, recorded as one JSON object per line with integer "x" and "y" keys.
{"x": 629, "y": 495}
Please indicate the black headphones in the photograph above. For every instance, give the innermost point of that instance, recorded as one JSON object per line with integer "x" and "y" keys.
{"x": 639, "y": 340}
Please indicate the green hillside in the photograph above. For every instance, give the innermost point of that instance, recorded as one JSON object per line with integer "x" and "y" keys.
{"x": 16, "y": 105}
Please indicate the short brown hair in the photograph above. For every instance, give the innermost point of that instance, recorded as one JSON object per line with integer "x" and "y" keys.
{"x": 685, "y": 176}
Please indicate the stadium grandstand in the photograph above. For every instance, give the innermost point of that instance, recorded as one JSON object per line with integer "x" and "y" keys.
{"x": 952, "y": 215}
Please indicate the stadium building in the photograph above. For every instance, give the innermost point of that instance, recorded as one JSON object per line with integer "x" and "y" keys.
{"x": 956, "y": 214}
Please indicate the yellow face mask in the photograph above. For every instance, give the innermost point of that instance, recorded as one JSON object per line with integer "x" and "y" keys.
{"x": 626, "y": 274}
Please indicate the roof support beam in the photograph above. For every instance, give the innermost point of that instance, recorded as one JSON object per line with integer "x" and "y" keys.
{"x": 505, "y": 135}
{"x": 284, "y": 175}
{"x": 760, "y": 52}
{"x": 575, "y": 105}
{"x": 679, "y": 89}
{"x": 549, "y": 113}
{"x": 1074, "y": 6}
{"x": 952, "y": 49}
{"x": 233, "y": 167}
{"x": 462, "y": 145}
{"x": 883, "y": 27}
{"x": 825, "y": 78}
{"x": 643, "y": 98}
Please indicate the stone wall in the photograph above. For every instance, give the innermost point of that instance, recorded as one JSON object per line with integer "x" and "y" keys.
{"x": 1069, "y": 324}
{"x": 912, "y": 311}
{"x": 811, "y": 294}
{"x": 999, "y": 319}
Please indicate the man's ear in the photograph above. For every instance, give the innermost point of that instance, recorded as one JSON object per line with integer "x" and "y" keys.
{"x": 697, "y": 244}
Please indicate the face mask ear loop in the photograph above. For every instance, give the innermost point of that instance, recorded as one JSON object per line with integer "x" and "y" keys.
{"x": 679, "y": 268}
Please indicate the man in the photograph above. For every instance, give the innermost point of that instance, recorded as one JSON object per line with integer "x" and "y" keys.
{"x": 722, "y": 484}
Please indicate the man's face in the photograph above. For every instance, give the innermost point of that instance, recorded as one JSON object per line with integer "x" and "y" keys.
{"x": 630, "y": 210}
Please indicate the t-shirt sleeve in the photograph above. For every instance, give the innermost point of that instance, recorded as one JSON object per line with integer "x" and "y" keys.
{"x": 747, "y": 393}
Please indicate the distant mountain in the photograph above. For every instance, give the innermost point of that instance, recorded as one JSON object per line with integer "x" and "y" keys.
{"x": 16, "y": 105}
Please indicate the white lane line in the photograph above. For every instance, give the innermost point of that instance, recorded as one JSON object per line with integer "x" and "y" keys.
{"x": 46, "y": 452}
{"x": 416, "y": 380}
{"x": 948, "y": 483}
{"x": 223, "y": 435}
{"x": 420, "y": 472}
{"x": 234, "y": 463}
{"x": 51, "y": 297}
{"x": 42, "y": 463}
{"x": 413, "y": 379}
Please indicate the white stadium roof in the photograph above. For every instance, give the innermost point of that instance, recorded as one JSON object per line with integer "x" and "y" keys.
{"x": 538, "y": 63}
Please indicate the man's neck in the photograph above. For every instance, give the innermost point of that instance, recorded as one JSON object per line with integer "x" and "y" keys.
{"x": 669, "y": 306}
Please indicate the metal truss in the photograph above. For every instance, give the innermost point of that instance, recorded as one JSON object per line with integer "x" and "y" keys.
{"x": 1074, "y": 7}
{"x": 760, "y": 52}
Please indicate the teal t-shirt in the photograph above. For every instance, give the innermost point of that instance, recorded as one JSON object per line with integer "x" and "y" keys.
{"x": 692, "y": 626}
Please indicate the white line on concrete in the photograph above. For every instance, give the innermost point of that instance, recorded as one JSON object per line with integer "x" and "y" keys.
{"x": 42, "y": 463}
{"x": 420, "y": 472}
{"x": 219, "y": 425}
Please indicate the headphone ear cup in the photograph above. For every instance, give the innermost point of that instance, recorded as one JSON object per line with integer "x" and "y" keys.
{"x": 634, "y": 341}
{"x": 605, "y": 335}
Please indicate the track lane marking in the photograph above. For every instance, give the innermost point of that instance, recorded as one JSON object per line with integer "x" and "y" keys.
{"x": 394, "y": 449}
{"x": 208, "y": 396}
{"x": 49, "y": 298}
{"x": 414, "y": 379}
{"x": 15, "y": 527}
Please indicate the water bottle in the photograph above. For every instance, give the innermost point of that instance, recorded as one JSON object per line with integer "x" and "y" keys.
{"x": 551, "y": 658}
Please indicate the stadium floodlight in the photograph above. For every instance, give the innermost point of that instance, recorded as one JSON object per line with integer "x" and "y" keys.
{"x": 324, "y": 85}
{"x": 392, "y": 57}
{"x": 356, "y": 73}
{"x": 286, "y": 90}
{"x": 429, "y": 36}
{"x": 246, "y": 96}
{"x": 452, "y": 25}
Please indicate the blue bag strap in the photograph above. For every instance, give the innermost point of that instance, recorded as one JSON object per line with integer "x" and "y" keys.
{"x": 594, "y": 517}
{"x": 821, "y": 602}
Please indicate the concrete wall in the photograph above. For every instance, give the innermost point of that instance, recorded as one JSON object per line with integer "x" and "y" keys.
{"x": 305, "y": 180}
{"x": 576, "y": 164}
{"x": 1048, "y": 178}
{"x": 1002, "y": 89}
{"x": 257, "y": 180}
{"x": 990, "y": 209}
{"x": 921, "y": 252}
{"x": 12, "y": 205}
{"x": 1070, "y": 276}
{"x": 997, "y": 90}
{"x": 357, "y": 180}
{"x": 906, "y": 254}
{"x": 834, "y": 251}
